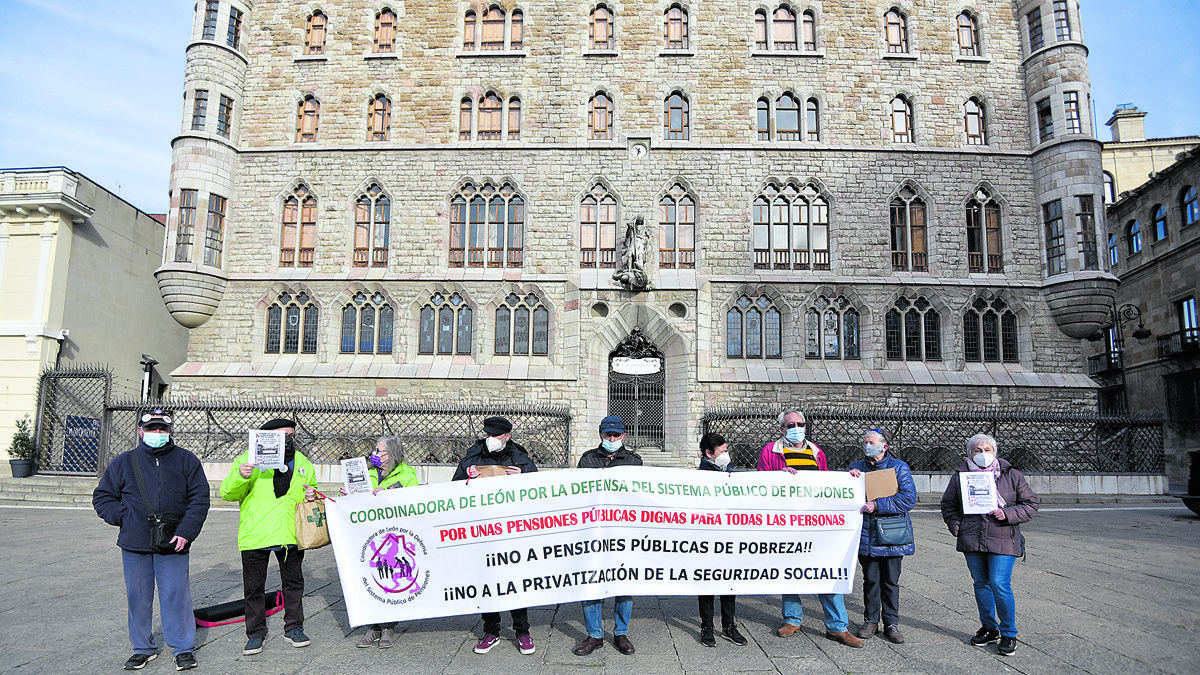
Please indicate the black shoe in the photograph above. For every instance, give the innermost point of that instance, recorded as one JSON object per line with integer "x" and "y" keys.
{"x": 734, "y": 636}
{"x": 1007, "y": 646}
{"x": 868, "y": 630}
{"x": 623, "y": 644}
{"x": 706, "y": 636}
{"x": 893, "y": 634}
{"x": 185, "y": 661}
{"x": 139, "y": 661}
{"x": 588, "y": 646}
{"x": 985, "y": 636}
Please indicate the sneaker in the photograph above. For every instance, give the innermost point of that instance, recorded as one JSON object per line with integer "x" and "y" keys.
{"x": 588, "y": 646}
{"x": 185, "y": 661}
{"x": 485, "y": 645}
{"x": 734, "y": 636}
{"x": 525, "y": 644}
{"x": 985, "y": 636}
{"x": 371, "y": 637}
{"x": 386, "y": 638}
{"x": 139, "y": 661}
{"x": 253, "y": 646}
{"x": 706, "y": 636}
{"x": 297, "y": 638}
{"x": 1007, "y": 646}
{"x": 868, "y": 630}
{"x": 893, "y": 634}
{"x": 623, "y": 644}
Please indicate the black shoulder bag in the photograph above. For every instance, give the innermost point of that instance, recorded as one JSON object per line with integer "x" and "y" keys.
{"x": 162, "y": 525}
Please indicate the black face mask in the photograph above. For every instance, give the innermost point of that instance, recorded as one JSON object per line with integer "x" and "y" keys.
{"x": 282, "y": 480}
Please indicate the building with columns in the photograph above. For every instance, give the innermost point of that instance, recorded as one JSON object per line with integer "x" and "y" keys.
{"x": 646, "y": 208}
{"x": 77, "y": 288}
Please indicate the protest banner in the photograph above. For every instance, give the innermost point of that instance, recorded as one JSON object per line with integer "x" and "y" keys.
{"x": 488, "y": 545}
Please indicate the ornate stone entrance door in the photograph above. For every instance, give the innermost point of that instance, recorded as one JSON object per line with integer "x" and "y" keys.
{"x": 636, "y": 390}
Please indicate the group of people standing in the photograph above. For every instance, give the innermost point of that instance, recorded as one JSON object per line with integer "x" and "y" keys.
{"x": 990, "y": 542}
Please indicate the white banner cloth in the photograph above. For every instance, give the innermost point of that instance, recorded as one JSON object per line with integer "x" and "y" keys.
{"x": 499, "y": 543}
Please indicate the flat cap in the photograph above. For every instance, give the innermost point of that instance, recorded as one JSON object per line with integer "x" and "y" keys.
{"x": 496, "y": 426}
{"x": 278, "y": 423}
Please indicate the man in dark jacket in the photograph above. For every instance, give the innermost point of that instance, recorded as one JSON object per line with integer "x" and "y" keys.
{"x": 611, "y": 452}
{"x": 498, "y": 449}
{"x": 175, "y": 483}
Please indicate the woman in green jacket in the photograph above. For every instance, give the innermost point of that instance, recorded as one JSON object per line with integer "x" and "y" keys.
{"x": 388, "y": 472}
{"x": 268, "y": 500}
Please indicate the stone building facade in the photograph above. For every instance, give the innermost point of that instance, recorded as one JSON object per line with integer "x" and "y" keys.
{"x": 873, "y": 203}
{"x": 1131, "y": 159}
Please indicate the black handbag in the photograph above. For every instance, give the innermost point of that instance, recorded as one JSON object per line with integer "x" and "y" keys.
{"x": 891, "y": 530}
{"x": 162, "y": 525}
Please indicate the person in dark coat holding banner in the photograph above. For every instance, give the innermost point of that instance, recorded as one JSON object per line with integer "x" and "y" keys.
{"x": 498, "y": 449}
{"x": 714, "y": 456}
{"x": 611, "y": 452}
{"x": 175, "y": 483}
{"x": 881, "y": 562}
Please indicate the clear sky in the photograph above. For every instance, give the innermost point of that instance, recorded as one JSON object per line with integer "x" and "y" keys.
{"x": 98, "y": 86}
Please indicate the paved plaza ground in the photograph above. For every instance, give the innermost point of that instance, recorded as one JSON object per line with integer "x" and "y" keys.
{"x": 1108, "y": 588}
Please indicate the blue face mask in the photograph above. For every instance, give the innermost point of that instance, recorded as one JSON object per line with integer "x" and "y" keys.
{"x": 156, "y": 439}
{"x": 795, "y": 435}
{"x": 611, "y": 446}
{"x": 376, "y": 461}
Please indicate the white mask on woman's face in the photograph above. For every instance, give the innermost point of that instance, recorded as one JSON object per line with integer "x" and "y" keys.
{"x": 494, "y": 444}
{"x": 721, "y": 460}
{"x": 984, "y": 459}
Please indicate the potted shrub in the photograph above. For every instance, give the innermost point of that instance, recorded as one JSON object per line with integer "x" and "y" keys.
{"x": 22, "y": 449}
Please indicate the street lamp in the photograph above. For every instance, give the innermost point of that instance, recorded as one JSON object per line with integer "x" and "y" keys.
{"x": 1123, "y": 315}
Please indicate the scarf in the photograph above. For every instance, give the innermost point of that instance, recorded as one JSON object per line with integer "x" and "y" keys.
{"x": 994, "y": 467}
{"x": 282, "y": 480}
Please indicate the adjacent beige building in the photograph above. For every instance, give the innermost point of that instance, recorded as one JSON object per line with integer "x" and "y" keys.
{"x": 836, "y": 202}
{"x": 77, "y": 287}
{"x": 1131, "y": 159}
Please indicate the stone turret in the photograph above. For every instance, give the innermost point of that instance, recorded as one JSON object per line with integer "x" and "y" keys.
{"x": 1067, "y": 171}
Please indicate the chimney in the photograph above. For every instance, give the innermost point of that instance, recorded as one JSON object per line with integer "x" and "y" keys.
{"x": 1127, "y": 124}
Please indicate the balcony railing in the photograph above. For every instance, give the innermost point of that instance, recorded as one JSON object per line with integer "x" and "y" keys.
{"x": 1182, "y": 343}
{"x": 1106, "y": 362}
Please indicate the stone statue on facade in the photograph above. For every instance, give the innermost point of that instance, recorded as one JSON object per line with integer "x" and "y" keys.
{"x": 631, "y": 273}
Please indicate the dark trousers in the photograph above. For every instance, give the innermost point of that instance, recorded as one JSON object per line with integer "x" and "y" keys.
{"x": 254, "y": 581}
{"x": 728, "y": 609}
{"x": 520, "y": 618}
{"x": 881, "y": 583}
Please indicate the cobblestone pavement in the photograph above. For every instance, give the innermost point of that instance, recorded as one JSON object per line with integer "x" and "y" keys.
{"x": 1105, "y": 589}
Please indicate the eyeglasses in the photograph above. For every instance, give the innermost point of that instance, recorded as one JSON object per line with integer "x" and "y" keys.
{"x": 611, "y": 434}
{"x": 794, "y": 425}
{"x": 156, "y": 416}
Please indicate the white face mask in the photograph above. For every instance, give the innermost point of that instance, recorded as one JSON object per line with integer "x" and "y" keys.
{"x": 984, "y": 459}
{"x": 156, "y": 439}
{"x": 494, "y": 444}
{"x": 795, "y": 435}
{"x": 721, "y": 460}
{"x": 872, "y": 451}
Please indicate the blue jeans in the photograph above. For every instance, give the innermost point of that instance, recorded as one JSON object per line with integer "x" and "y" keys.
{"x": 593, "y": 618}
{"x": 142, "y": 570}
{"x": 836, "y": 620}
{"x": 992, "y": 574}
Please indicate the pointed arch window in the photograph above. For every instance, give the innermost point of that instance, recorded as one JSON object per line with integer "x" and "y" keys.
{"x": 909, "y": 241}
{"x": 314, "y": 34}
{"x": 379, "y": 118}
{"x": 984, "y": 234}
{"x": 791, "y": 228}
{"x": 367, "y": 324}
{"x": 913, "y": 331}
{"x": 764, "y": 120}
{"x": 902, "y": 120}
{"x": 968, "y": 35}
{"x": 492, "y": 38}
{"x": 445, "y": 325}
{"x": 522, "y": 326}
{"x": 298, "y": 240}
{"x": 385, "y": 32}
{"x": 308, "y": 115}
{"x": 677, "y": 229}
{"x": 372, "y": 221}
{"x": 808, "y": 31}
{"x": 676, "y": 28}
{"x": 490, "y": 117}
{"x": 597, "y": 229}
{"x": 787, "y": 118}
{"x": 831, "y": 330}
{"x": 675, "y": 117}
{"x": 600, "y": 28}
{"x": 812, "y": 122}
{"x": 974, "y": 122}
{"x": 514, "y": 119}
{"x": 600, "y": 117}
{"x": 990, "y": 332}
{"x": 753, "y": 329}
{"x": 783, "y": 29}
{"x": 292, "y": 324}
{"x": 487, "y": 224}
{"x": 897, "y": 32}
{"x": 470, "y": 21}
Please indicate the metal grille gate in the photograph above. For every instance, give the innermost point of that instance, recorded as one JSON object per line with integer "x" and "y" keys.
{"x": 638, "y": 397}
{"x": 71, "y": 405}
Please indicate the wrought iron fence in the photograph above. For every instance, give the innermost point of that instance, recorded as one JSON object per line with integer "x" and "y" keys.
{"x": 934, "y": 439}
{"x": 215, "y": 429}
{"x": 70, "y": 414}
